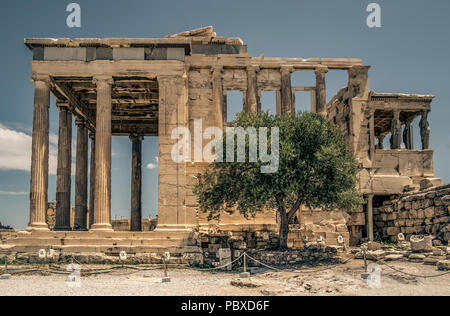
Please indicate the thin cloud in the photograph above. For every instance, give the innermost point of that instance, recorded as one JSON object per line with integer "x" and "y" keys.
{"x": 153, "y": 166}
{"x": 13, "y": 193}
{"x": 15, "y": 150}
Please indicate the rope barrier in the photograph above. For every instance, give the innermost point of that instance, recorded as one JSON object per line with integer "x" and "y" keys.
{"x": 416, "y": 275}
{"x": 52, "y": 269}
{"x": 261, "y": 263}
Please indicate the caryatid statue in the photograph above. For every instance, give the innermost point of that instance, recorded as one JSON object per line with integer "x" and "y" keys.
{"x": 408, "y": 135}
{"x": 425, "y": 130}
{"x": 396, "y": 130}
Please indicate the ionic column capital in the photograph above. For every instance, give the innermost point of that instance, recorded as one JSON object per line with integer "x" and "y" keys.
{"x": 286, "y": 69}
{"x": 253, "y": 69}
{"x": 321, "y": 70}
{"x": 98, "y": 80}
{"x": 134, "y": 137}
{"x": 92, "y": 135}
{"x": 217, "y": 69}
{"x": 42, "y": 79}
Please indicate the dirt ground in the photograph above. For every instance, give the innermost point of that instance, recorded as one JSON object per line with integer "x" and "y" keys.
{"x": 338, "y": 280}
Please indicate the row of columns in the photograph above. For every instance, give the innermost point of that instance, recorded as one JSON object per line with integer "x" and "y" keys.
{"x": 100, "y": 165}
{"x": 287, "y": 100}
{"x": 286, "y": 92}
{"x": 252, "y": 102}
{"x": 407, "y": 136}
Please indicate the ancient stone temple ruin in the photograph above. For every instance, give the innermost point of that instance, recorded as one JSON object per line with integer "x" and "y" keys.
{"x": 148, "y": 86}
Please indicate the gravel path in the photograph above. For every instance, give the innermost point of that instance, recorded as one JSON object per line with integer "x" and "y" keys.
{"x": 341, "y": 280}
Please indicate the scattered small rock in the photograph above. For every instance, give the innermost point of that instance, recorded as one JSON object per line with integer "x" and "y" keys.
{"x": 245, "y": 283}
{"x": 5, "y": 276}
{"x": 402, "y": 278}
{"x": 430, "y": 261}
{"x": 437, "y": 252}
{"x": 271, "y": 292}
{"x": 443, "y": 265}
{"x": 421, "y": 244}
{"x": 416, "y": 257}
{"x": 373, "y": 246}
{"x": 393, "y": 257}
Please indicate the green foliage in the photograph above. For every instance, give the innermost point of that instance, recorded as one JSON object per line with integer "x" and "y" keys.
{"x": 315, "y": 169}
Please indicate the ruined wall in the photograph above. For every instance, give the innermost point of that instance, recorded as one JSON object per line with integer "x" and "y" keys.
{"x": 319, "y": 225}
{"x": 124, "y": 225}
{"x": 425, "y": 212}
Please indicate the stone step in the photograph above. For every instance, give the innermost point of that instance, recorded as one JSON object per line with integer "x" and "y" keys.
{"x": 91, "y": 234}
{"x": 45, "y": 242}
{"x": 160, "y": 249}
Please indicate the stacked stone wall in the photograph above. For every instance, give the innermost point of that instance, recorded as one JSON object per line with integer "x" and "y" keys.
{"x": 418, "y": 213}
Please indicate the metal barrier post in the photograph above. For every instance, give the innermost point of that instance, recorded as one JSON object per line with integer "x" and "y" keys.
{"x": 245, "y": 274}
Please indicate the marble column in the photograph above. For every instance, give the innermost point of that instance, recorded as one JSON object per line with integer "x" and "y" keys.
{"x": 92, "y": 181}
{"x": 102, "y": 203}
{"x": 64, "y": 171}
{"x": 81, "y": 177}
{"x": 370, "y": 217}
{"x": 39, "y": 154}
{"x": 136, "y": 183}
{"x": 218, "y": 96}
{"x": 321, "y": 91}
{"x": 287, "y": 106}
{"x": 253, "y": 103}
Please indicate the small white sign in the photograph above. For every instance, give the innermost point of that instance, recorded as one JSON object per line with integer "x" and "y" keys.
{"x": 42, "y": 254}
{"x": 167, "y": 256}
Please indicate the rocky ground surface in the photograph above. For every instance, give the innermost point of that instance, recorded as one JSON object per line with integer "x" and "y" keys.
{"x": 323, "y": 280}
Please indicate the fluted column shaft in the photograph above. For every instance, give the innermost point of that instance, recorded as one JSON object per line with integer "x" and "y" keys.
{"x": 136, "y": 183}
{"x": 39, "y": 154}
{"x": 92, "y": 181}
{"x": 81, "y": 177}
{"x": 287, "y": 106}
{"x": 218, "y": 96}
{"x": 321, "y": 91}
{"x": 370, "y": 217}
{"x": 102, "y": 204}
{"x": 64, "y": 172}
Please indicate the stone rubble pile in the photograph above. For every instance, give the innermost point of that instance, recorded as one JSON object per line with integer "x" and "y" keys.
{"x": 419, "y": 250}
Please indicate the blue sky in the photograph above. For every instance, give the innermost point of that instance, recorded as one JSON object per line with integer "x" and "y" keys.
{"x": 408, "y": 54}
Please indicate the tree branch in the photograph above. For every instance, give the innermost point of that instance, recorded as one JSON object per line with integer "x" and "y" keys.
{"x": 294, "y": 208}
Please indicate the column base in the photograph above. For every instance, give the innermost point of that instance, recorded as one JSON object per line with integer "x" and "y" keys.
{"x": 38, "y": 227}
{"x": 102, "y": 227}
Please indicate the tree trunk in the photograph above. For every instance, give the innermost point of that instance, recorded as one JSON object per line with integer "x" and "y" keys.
{"x": 285, "y": 221}
{"x": 284, "y": 232}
